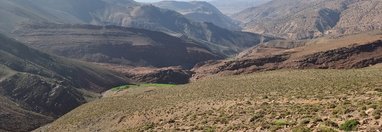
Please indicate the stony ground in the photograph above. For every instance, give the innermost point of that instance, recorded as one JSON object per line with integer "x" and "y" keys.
{"x": 283, "y": 100}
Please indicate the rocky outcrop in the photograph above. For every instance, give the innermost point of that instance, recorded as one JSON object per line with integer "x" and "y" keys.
{"x": 169, "y": 75}
{"x": 357, "y": 56}
{"x": 165, "y": 75}
{"x": 345, "y": 56}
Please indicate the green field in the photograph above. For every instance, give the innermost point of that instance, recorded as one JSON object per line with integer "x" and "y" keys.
{"x": 283, "y": 100}
{"x": 124, "y": 87}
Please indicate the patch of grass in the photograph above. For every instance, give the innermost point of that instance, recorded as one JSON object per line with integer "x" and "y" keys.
{"x": 120, "y": 88}
{"x": 326, "y": 129}
{"x": 155, "y": 85}
{"x": 301, "y": 129}
{"x": 281, "y": 122}
{"x": 124, "y": 87}
{"x": 349, "y": 125}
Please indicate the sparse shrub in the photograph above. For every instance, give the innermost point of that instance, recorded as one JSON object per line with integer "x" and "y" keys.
{"x": 148, "y": 126}
{"x": 378, "y": 89}
{"x": 305, "y": 121}
{"x": 377, "y": 114}
{"x": 317, "y": 119}
{"x": 332, "y": 106}
{"x": 275, "y": 128}
{"x": 209, "y": 129}
{"x": 301, "y": 129}
{"x": 349, "y": 125}
{"x": 325, "y": 129}
{"x": 363, "y": 114}
{"x": 330, "y": 123}
{"x": 256, "y": 117}
{"x": 281, "y": 122}
{"x": 171, "y": 121}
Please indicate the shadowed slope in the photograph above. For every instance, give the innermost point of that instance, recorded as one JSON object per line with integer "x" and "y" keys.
{"x": 32, "y": 82}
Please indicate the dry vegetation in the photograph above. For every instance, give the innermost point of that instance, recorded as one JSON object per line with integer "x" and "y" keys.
{"x": 283, "y": 100}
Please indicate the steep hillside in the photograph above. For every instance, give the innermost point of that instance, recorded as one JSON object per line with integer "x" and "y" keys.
{"x": 200, "y": 11}
{"x": 355, "y": 51}
{"x": 230, "y": 7}
{"x": 113, "y": 44}
{"x": 164, "y": 75}
{"x": 125, "y": 13}
{"x": 37, "y": 87}
{"x": 284, "y": 100}
{"x": 302, "y": 19}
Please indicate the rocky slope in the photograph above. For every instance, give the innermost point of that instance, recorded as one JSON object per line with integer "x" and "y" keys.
{"x": 355, "y": 51}
{"x": 302, "y": 19}
{"x": 282, "y": 100}
{"x": 113, "y": 44}
{"x": 125, "y": 13}
{"x": 165, "y": 75}
{"x": 36, "y": 87}
{"x": 200, "y": 11}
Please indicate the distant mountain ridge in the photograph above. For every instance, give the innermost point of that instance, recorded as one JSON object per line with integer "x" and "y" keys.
{"x": 200, "y": 11}
{"x": 125, "y": 13}
{"x": 230, "y": 7}
{"x": 304, "y": 19}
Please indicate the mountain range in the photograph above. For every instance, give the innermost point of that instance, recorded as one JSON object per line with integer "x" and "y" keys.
{"x": 124, "y": 13}
{"x": 200, "y": 11}
{"x": 230, "y": 7}
{"x": 305, "y": 19}
{"x": 221, "y": 65}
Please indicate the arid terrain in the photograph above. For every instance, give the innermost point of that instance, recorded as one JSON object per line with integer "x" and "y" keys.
{"x": 354, "y": 51}
{"x": 204, "y": 66}
{"x": 302, "y": 19}
{"x": 36, "y": 88}
{"x": 282, "y": 100}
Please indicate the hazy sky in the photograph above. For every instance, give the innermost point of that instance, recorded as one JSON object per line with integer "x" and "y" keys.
{"x": 161, "y": 0}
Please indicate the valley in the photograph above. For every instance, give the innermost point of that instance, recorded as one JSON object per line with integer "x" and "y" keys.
{"x": 36, "y": 88}
{"x": 208, "y": 66}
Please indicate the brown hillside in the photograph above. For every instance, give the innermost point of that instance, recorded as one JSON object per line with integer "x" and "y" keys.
{"x": 353, "y": 51}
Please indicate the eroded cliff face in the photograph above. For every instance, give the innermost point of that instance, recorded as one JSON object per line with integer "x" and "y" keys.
{"x": 345, "y": 55}
{"x": 355, "y": 56}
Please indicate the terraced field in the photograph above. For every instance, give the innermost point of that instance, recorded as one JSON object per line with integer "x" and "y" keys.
{"x": 282, "y": 100}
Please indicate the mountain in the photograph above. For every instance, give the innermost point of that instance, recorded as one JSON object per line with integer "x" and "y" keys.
{"x": 230, "y": 7}
{"x": 200, "y": 11}
{"x": 114, "y": 44}
{"x": 345, "y": 52}
{"x": 36, "y": 88}
{"x": 125, "y": 13}
{"x": 304, "y": 19}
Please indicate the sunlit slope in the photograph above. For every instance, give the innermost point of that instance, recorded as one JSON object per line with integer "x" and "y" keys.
{"x": 277, "y": 100}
